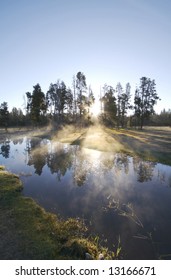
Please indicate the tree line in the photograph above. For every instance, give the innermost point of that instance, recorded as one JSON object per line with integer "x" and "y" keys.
{"x": 74, "y": 105}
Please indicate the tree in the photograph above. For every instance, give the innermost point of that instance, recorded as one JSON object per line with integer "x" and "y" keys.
{"x": 16, "y": 117}
{"x": 109, "y": 105}
{"x": 81, "y": 87}
{"x": 29, "y": 101}
{"x": 74, "y": 98}
{"x": 4, "y": 114}
{"x": 90, "y": 101}
{"x": 36, "y": 104}
{"x": 57, "y": 99}
{"x": 125, "y": 104}
{"x": 69, "y": 103}
{"x": 162, "y": 119}
{"x": 119, "y": 92}
{"x": 145, "y": 99}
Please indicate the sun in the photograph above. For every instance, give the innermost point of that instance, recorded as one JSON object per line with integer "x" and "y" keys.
{"x": 95, "y": 108}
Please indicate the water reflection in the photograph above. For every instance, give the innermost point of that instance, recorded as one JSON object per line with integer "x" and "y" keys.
{"x": 36, "y": 155}
{"x": 144, "y": 169}
{"x": 59, "y": 159}
{"x": 116, "y": 194}
{"x": 122, "y": 163}
{"x": 17, "y": 141}
{"x": 5, "y": 149}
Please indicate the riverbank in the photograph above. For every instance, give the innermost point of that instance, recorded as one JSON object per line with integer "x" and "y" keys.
{"x": 27, "y": 231}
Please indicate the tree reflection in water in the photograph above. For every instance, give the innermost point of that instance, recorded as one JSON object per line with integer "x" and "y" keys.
{"x": 17, "y": 141}
{"x": 36, "y": 154}
{"x": 121, "y": 162}
{"x": 144, "y": 169}
{"x": 59, "y": 159}
{"x": 5, "y": 149}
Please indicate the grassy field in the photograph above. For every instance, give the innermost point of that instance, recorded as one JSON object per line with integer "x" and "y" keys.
{"x": 27, "y": 231}
{"x": 151, "y": 143}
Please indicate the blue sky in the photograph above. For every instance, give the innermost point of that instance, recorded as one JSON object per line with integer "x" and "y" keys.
{"x": 110, "y": 41}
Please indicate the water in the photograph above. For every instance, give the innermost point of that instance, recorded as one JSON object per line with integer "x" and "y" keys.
{"x": 119, "y": 197}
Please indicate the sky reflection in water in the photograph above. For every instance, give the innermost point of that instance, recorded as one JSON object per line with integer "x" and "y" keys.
{"x": 117, "y": 195}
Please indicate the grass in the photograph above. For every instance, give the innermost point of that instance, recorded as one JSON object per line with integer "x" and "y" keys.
{"x": 27, "y": 231}
{"x": 151, "y": 143}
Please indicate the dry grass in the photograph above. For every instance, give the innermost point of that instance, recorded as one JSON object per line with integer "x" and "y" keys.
{"x": 152, "y": 143}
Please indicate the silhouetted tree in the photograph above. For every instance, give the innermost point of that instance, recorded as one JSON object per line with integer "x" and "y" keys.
{"x": 29, "y": 99}
{"x": 74, "y": 98}
{"x": 36, "y": 104}
{"x": 145, "y": 99}
{"x": 90, "y": 101}
{"x": 125, "y": 104}
{"x": 81, "y": 88}
{"x": 109, "y": 105}
{"x": 57, "y": 99}
{"x": 16, "y": 117}
{"x": 69, "y": 104}
{"x": 4, "y": 115}
{"x": 119, "y": 92}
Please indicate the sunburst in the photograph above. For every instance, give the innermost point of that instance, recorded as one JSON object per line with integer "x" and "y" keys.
{"x": 95, "y": 109}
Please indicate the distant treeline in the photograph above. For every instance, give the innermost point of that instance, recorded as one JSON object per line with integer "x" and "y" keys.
{"x": 77, "y": 105}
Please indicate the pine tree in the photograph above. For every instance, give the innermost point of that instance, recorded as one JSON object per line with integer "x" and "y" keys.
{"x": 36, "y": 104}
{"x": 4, "y": 115}
{"x": 145, "y": 99}
{"x": 81, "y": 88}
{"x": 109, "y": 105}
